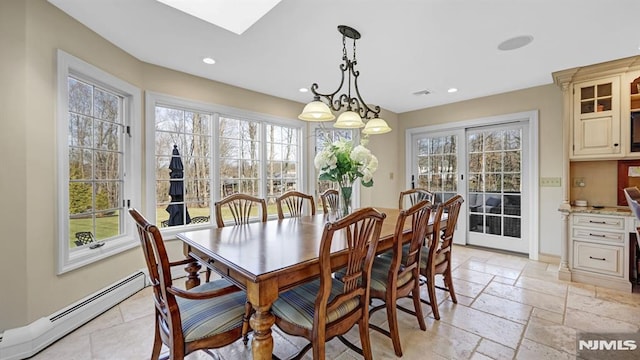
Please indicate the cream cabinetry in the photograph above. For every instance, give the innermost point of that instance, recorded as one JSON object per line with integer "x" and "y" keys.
{"x": 601, "y": 107}
{"x": 596, "y": 118}
{"x": 599, "y": 249}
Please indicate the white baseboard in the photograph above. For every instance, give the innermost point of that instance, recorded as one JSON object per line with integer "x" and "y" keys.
{"x": 26, "y": 341}
{"x": 551, "y": 259}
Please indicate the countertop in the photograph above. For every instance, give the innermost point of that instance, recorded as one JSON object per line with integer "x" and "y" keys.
{"x": 607, "y": 210}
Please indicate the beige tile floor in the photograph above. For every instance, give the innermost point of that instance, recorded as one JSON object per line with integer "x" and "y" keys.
{"x": 508, "y": 307}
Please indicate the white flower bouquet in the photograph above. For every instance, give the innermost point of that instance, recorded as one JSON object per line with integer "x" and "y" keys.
{"x": 343, "y": 163}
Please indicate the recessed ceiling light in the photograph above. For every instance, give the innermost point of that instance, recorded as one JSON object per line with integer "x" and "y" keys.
{"x": 208, "y": 60}
{"x": 452, "y": 90}
{"x": 515, "y": 42}
{"x": 303, "y": 90}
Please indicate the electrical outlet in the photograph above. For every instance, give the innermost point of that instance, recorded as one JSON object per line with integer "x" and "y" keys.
{"x": 550, "y": 182}
{"x": 579, "y": 182}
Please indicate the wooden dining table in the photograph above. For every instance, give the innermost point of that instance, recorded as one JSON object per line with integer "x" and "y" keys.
{"x": 267, "y": 258}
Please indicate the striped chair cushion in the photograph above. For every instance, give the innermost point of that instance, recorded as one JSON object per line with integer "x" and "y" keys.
{"x": 296, "y": 306}
{"x": 380, "y": 274}
{"x": 202, "y": 318}
{"x": 423, "y": 256}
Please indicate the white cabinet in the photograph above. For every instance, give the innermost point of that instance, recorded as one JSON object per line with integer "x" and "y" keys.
{"x": 599, "y": 250}
{"x": 598, "y": 258}
{"x": 596, "y": 119}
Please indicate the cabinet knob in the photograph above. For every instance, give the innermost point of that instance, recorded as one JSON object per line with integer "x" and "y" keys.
{"x": 615, "y": 144}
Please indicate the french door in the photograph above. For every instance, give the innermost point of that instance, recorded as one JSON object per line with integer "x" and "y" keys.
{"x": 435, "y": 167}
{"x": 496, "y": 178}
{"x": 487, "y": 165}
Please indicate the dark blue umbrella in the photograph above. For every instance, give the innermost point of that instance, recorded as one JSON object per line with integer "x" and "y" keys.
{"x": 177, "y": 209}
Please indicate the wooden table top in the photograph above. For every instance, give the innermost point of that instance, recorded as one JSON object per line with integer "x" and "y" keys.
{"x": 259, "y": 249}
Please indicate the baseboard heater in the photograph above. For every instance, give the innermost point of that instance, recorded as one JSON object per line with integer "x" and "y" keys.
{"x": 26, "y": 341}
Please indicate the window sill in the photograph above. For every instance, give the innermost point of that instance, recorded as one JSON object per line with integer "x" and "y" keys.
{"x": 77, "y": 258}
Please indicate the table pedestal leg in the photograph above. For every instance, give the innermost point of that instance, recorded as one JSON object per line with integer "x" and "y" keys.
{"x": 261, "y": 295}
{"x": 193, "y": 279}
{"x": 261, "y": 322}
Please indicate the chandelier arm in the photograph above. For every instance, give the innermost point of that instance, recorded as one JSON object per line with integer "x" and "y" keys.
{"x": 337, "y": 104}
{"x": 356, "y": 103}
{"x": 363, "y": 109}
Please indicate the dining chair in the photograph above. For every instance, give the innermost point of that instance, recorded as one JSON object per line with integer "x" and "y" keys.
{"x": 330, "y": 199}
{"x": 396, "y": 276}
{"x": 324, "y": 308}
{"x": 436, "y": 257}
{"x": 240, "y": 207}
{"x": 207, "y": 316}
{"x": 294, "y": 202}
{"x": 413, "y": 196}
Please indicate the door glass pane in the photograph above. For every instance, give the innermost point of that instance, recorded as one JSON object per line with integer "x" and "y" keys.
{"x": 437, "y": 166}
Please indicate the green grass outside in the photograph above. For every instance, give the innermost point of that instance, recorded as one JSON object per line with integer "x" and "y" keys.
{"x": 107, "y": 226}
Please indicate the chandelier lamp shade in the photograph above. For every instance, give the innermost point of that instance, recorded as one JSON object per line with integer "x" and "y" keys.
{"x": 354, "y": 110}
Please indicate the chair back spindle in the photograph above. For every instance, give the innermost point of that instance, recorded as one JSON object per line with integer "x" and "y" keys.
{"x": 330, "y": 199}
{"x": 414, "y": 196}
{"x": 240, "y": 207}
{"x": 293, "y": 202}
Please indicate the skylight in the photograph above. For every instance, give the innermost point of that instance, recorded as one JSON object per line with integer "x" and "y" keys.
{"x": 233, "y": 15}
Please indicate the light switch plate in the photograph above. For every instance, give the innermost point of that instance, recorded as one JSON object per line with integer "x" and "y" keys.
{"x": 550, "y": 182}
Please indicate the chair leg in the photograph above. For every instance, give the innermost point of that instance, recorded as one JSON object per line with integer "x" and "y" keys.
{"x": 319, "y": 347}
{"x": 365, "y": 341}
{"x": 415, "y": 295}
{"x": 157, "y": 342}
{"x": 448, "y": 280}
{"x": 433, "y": 300}
{"x": 394, "y": 331}
{"x": 248, "y": 310}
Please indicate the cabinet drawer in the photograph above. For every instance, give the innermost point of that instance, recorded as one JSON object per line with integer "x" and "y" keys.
{"x": 604, "y": 259}
{"x": 598, "y": 235}
{"x": 599, "y": 222}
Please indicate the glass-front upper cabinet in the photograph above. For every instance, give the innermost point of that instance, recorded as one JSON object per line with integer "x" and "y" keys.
{"x": 596, "y": 98}
{"x": 596, "y": 118}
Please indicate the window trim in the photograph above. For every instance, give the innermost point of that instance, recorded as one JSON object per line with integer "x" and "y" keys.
{"x": 71, "y": 259}
{"x": 153, "y": 99}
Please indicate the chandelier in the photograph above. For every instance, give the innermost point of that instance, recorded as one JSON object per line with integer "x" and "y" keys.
{"x": 355, "y": 108}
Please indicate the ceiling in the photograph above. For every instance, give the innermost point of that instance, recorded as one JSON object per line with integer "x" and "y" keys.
{"x": 407, "y": 46}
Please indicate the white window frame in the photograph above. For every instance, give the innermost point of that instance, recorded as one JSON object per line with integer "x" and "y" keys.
{"x": 68, "y": 258}
{"x": 153, "y": 99}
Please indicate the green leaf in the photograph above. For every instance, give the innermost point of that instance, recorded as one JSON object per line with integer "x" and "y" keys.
{"x": 326, "y": 176}
{"x": 367, "y": 184}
